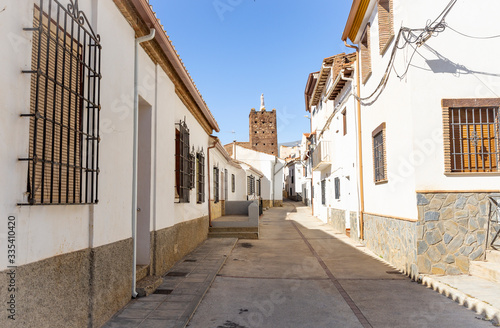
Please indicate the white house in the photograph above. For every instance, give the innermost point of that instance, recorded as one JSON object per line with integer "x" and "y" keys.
{"x": 272, "y": 169}
{"x": 429, "y": 98}
{"x": 228, "y": 179}
{"x": 68, "y": 166}
{"x": 334, "y": 161}
{"x": 294, "y": 179}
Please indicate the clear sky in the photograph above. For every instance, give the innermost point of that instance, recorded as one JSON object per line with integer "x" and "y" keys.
{"x": 237, "y": 49}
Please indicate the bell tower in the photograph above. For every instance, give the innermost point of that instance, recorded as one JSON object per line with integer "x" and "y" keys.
{"x": 263, "y": 130}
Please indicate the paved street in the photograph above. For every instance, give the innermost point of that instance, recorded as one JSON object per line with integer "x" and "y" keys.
{"x": 301, "y": 274}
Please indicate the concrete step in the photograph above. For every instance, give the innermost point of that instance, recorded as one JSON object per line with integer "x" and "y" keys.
{"x": 148, "y": 285}
{"x": 233, "y": 229}
{"x": 486, "y": 270}
{"x": 142, "y": 271}
{"x": 493, "y": 256}
{"x": 235, "y": 234}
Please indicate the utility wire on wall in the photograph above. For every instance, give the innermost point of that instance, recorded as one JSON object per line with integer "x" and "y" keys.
{"x": 414, "y": 38}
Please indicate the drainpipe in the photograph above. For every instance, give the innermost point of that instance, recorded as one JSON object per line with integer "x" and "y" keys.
{"x": 134, "y": 161}
{"x": 360, "y": 152}
{"x": 209, "y": 188}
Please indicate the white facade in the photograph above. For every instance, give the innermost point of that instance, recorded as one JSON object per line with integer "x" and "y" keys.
{"x": 445, "y": 67}
{"x": 270, "y": 166}
{"x": 46, "y": 231}
{"x": 334, "y": 151}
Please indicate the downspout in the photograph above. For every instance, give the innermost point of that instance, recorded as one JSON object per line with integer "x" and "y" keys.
{"x": 134, "y": 161}
{"x": 209, "y": 188}
{"x": 360, "y": 152}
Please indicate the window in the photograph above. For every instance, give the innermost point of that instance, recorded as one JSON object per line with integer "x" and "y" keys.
{"x": 366, "y": 62}
{"x": 337, "y": 188}
{"x": 200, "y": 177}
{"x": 233, "y": 183}
{"x": 344, "y": 121}
{"x": 379, "y": 154}
{"x": 471, "y": 135}
{"x": 64, "y": 137}
{"x": 225, "y": 184}
{"x": 385, "y": 24}
{"x": 250, "y": 185}
{"x": 258, "y": 187}
{"x": 323, "y": 192}
{"x": 216, "y": 184}
{"x": 184, "y": 164}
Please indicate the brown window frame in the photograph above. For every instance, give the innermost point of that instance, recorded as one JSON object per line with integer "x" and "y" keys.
{"x": 462, "y": 120}
{"x": 379, "y": 151}
{"x": 184, "y": 164}
{"x": 344, "y": 121}
{"x": 216, "y": 184}
{"x": 200, "y": 177}
{"x": 365, "y": 50}
{"x": 385, "y": 24}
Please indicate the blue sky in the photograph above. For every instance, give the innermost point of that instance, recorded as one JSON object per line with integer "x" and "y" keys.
{"x": 237, "y": 49}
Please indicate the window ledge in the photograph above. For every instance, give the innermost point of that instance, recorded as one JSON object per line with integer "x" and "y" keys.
{"x": 381, "y": 182}
{"x": 471, "y": 174}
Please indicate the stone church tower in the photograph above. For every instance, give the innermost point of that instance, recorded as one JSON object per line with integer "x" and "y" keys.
{"x": 263, "y": 130}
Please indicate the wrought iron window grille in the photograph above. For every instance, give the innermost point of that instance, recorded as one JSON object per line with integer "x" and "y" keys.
{"x": 184, "y": 163}
{"x": 63, "y": 160}
{"x": 474, "y": 139}
{"x": 378, "y": 156}
{"x": 200, "y": 183}
{"x": 216, "y": 184}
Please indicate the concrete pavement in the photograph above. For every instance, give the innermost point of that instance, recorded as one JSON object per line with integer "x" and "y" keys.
{"x": 301, "y": 274}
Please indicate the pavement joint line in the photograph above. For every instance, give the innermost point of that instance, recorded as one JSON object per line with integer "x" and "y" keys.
{"x": 354, "y": 308}
{"x": 271, "y": 278}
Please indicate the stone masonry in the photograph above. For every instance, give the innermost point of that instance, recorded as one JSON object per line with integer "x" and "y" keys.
{"x": 393, "y": 240}
{"x": 451, "y": 231}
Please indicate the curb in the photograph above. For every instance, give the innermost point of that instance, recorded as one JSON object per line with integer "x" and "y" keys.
{"x": 471, "y": 303}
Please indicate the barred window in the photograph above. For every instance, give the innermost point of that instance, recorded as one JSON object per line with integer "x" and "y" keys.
{"x": 183, "y": 163}
{"x": 251, "y": 185}
{"x": 225, "y": 184}
{"x": 259, "y": 186}
{"x": 471, "y": 135}
{"x": 200, "y": 177}
{"x": 323, "y": 192}
{"x": 379, "y": 154}
{"x": 64, "y": 107}
{"x": 216, "y": 184}
{"x": 337, "y": 188}
{"x": 233, "y": 183}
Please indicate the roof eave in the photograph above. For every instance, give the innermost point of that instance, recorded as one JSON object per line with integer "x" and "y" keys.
{"x": 145, "y": 11}
{"x": 356, "y": 17}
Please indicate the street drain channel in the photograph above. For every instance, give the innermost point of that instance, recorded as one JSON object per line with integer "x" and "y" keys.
{"x": 177, "y": 274}
{"x": 190, "y": 260}
{"x": 163, "y": 291}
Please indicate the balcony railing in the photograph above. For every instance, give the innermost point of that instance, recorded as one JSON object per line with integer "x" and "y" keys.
{"x": 321, "y": 155}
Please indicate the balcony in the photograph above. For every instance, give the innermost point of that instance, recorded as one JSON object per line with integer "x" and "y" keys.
{"x": 321, "y": 155}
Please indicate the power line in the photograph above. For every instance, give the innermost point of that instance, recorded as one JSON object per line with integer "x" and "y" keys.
{"x": 431, "y": 29}
{"x": 473, "y": 37}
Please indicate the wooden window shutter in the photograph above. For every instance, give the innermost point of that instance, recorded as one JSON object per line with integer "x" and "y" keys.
{"x": 366, "y": 62}
{"x": 385, "y": 24}
{"x": 56, "y": 143}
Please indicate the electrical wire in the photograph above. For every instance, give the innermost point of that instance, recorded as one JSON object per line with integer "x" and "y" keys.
{"x": 410, "y": 38}
{"x": 473, "y": 37}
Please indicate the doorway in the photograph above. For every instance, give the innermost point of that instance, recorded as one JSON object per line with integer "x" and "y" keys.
{"x": 144, "y": 184}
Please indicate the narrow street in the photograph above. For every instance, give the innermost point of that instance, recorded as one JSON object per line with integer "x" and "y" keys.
{"x": 300, "y": 273}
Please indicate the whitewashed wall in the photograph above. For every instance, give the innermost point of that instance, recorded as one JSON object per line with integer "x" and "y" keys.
{"x": 411, "y": 107}
{"x": 46, "y": 231}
